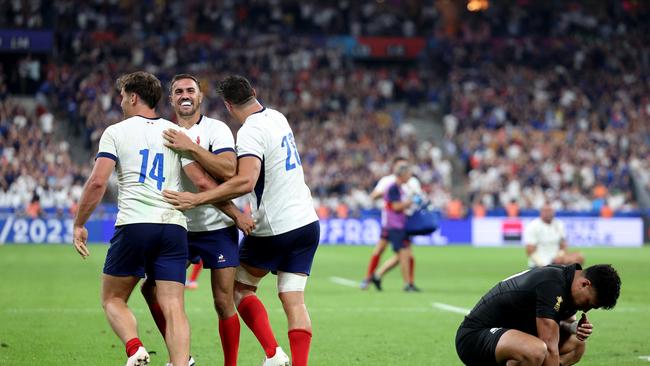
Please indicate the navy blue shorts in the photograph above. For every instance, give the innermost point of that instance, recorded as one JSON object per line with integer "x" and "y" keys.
{"x": 291, "y": 252}
{"x": 384, "y": 234}
{"x": 217, "y": 248}
{"x": 157, "y": 250}
{"x": 398, "y": 239}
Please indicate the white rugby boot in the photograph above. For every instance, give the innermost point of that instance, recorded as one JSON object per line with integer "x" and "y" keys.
{"x": 139, "y": 358}
{"x": 280, "y": 359}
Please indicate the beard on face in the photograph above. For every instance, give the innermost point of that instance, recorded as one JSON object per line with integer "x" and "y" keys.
{"x": 184, "y": 113}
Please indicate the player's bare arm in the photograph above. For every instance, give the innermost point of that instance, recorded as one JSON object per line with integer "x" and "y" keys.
{"x": 204, "y": 182}
{"x": 90, "y": 197}
{"x": 549, "y": 332}
{"x": 563, "y": 248}
{"x": 221, "y": 166}
{"x": 241, "y": 184}
{"x": 376, "y": 194}
{"x": 581, "y": 328}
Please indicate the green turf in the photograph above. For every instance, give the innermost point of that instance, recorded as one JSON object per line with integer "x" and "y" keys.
{"x": 50, "y": 312}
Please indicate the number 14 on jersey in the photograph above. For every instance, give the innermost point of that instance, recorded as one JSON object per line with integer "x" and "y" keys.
{"x": 156, "y": 172}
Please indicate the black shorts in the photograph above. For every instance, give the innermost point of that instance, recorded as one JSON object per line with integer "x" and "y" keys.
{"x": 477, "y": 347}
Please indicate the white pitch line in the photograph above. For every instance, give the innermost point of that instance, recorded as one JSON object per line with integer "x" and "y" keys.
{"x": 98, "y": 310}
{"x": 450, "y": 308}
{"x": 644, "y": 358}
{"x": 344, "y": 281}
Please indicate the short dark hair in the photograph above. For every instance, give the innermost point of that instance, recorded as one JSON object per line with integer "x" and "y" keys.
{"x": 178, "y": 77}
{"x": 144, "y": 84}
{"x": 605, "y": 280}
{"x": 236, "y": 89}
{"x": 399, "y": 158}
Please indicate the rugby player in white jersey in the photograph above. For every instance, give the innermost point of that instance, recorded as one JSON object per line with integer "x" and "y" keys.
{"x": 212, "y": 236}
{"x": 546, "y": 243}
{"x": 287, "y": 231}
{"x": 150, "y": 235}
{"x": 413, "y": 190}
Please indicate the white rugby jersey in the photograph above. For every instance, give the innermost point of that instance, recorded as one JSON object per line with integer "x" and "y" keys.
{"x": 216, "y": 137}
{"x": 411, "y": 188}
{"x": 144, "y": 168}
{"x": 546, "y": 237}
{"x": 281, "y": 201}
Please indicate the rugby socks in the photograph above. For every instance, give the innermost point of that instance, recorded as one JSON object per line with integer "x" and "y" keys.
{"x": 411, "y": 270}
{"x": 196, "y": 271}
{"x": 299, "y": 341}
{"x": 254, "y": 314}
{"x": 229, "y": 333}
{"x": 158, "y": 317}
{"x": 132, "y": 346}
{"x": 372, "y": 266}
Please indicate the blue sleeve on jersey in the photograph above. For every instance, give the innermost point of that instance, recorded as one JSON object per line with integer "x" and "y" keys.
{"x": 106, "y": 155}
{"x": 245, "y": 155}
{"x": 394, "y": 195}
{"x": 219, "y": 151}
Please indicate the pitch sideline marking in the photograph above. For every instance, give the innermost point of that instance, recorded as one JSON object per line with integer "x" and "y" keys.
{"x": 644, "y": 358}
{"x": 344, "y": 281}
{"x": 450, "y": 308}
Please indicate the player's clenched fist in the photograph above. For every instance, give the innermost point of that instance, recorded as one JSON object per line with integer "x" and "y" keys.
{"x": 80, "y": 238}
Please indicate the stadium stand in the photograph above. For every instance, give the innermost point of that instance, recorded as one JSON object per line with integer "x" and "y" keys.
{"x": 532, "y": 107}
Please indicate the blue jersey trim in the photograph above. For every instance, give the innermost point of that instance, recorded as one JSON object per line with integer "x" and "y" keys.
{"x": 219, "y": 151}
{"x": 106, "y": 155}
{"x": 245, "y": 155}
{"x": 260, "y": 111}
{"x": 150, "y": 118}
{"x": 259, "y": 185}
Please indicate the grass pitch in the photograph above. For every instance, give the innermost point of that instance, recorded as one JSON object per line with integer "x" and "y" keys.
{"x": 50, "y": 312}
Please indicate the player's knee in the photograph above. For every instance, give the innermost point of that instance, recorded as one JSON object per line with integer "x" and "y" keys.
{"x": 580, "y": 349}
{"x": 224, "y": 304}
{"x": 241, "y": 291}
{"x": 537, "y": 353}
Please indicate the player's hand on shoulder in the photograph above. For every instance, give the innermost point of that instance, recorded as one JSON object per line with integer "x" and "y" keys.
{"x": 177, "y": 140}
{"x": 181, "y": 200}
{"x": 245, "y": 223}
{"x": 80, "y": 239}
{"x": 584, "y": 329}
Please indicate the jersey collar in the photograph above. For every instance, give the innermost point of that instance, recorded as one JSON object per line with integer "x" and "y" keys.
{"x": 149, "y": 118}
{"x": 260, "y": 111}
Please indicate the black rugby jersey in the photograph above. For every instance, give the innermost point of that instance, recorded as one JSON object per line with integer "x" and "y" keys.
{"x": 517, "y": 301}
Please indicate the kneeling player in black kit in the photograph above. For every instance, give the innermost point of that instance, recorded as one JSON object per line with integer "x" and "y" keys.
{"x": 529, "y": 318}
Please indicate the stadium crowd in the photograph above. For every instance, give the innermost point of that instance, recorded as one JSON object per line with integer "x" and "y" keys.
{"x": 535, "y": 108}
{"x": 560, "y": 118}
